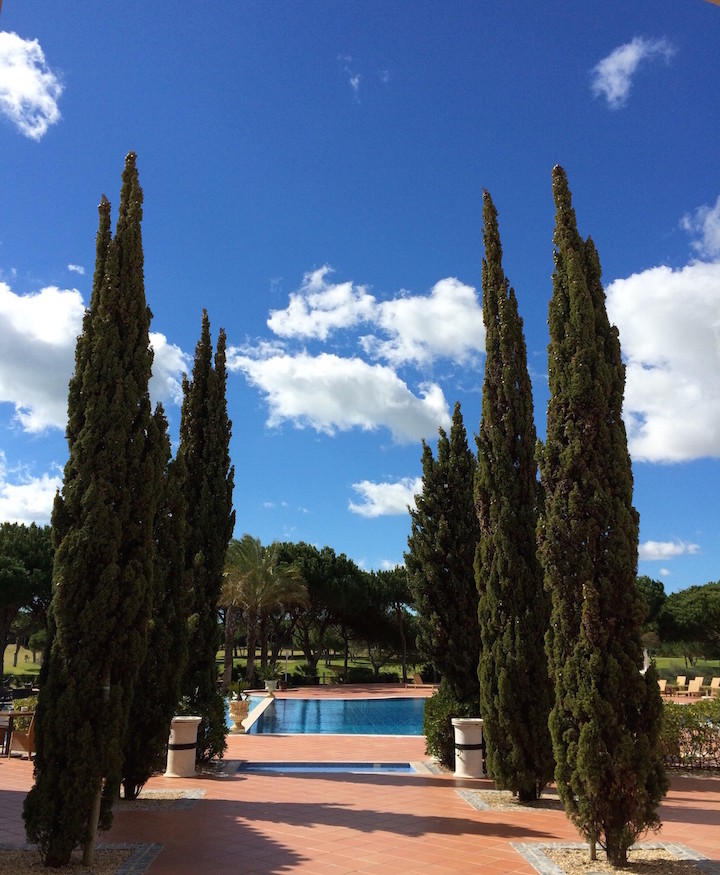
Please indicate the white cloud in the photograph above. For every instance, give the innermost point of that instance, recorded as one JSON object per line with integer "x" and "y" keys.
{"x": 705, "y": 224}
{"x": 331, "y": 394}
{"x": 39, "y": 332}
{"x": 319, "y": 308}
{"x": 409, "y": 329}
{"x": 385, "y": 499}
{"x": 665, "y": 572}
{"x": 27, "y": 499}
{"x": 447, "y": 323}
{"x": 37, "y": 356}
{"x": 29, "y": 89}
{"x": 169, "y": 364}
{"x": 669, "y": 323}
{"x": 612, "y": 77}
{"x": 76, "y": 268}
{"x": 661, "y": 551}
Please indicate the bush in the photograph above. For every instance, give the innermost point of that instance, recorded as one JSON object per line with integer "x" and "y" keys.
{"x": 389, "y": 677}
{"x": 438, "y": 730}
{"x": 691, "y": 734}
{"x": 360, "y": 674}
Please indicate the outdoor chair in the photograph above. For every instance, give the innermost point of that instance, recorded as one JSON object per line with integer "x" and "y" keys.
{"x": 714, "y": 688}
{"x": 4, "y": 729}
{"x": 417, "y": 681}
{"x": 23, "y": 741}
{"x": 693, "y": 688}
{"x": 662, "y": 683}
{"x": 680, "y": 682}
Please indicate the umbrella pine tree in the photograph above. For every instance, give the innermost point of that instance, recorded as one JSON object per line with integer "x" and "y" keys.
{"x": 605, "y": 723}
{"x": 204, "y": 452}
{"x": 103, "y": 532}
{"x": 515, "y": 689}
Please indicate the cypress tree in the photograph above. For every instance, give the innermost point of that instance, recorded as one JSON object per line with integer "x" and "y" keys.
{"x": 208, "y": 485}
{"x": 440, "y": 562}
{"x": 103, "y": 533}
{"x": 159, "y": 685}
{"x": 515, "y": 689}
{"x": 606, "y": 719}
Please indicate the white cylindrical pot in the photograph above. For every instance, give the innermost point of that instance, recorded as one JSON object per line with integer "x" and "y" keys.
{"x": 182, "y": 747}
{"x": 468, "y": 747}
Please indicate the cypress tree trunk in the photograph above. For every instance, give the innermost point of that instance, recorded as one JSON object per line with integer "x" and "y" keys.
{"x": 515, "y": 689}
{"x": 103, "y": 532}
{"x": 606, "y": 720}
{"x": 205, "y": 453}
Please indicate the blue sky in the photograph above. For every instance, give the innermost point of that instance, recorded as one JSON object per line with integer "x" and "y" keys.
{"x": 313, "y": 176}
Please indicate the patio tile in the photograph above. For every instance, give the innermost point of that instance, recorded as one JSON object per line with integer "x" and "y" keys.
{"x": 324, "y": 824}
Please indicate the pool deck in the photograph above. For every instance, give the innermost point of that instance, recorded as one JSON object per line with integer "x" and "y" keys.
{"x": 338, "y": 824}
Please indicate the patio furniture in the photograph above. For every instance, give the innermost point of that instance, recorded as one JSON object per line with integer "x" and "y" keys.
{"x": 714, "y": 688}
{"x": 23, "y": 741}
{"x": 680, "y": 683}
{"x": 662, "y": 683}
{"x": 693, "y": 688}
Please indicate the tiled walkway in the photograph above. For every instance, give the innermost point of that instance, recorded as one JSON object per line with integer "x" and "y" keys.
{"x": 330, "y": 824}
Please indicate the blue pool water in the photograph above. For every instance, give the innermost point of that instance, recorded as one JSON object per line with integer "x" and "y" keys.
{"x": 329, "y": 768}
{"x": 342, "y": 717}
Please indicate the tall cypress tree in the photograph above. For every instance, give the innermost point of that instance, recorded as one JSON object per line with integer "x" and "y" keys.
{"x": 606, "y": 720}
{"x": 103, "y": 531}
{"x": 208, "y": 485}
{"x": 158, "y": 688}
{"x": 515, "y": 690}
{"x": 440, "y": 562}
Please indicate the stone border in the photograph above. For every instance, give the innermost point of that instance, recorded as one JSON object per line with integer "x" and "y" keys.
{"x": 137, "y": 863}
{"x": 474, "y": 798}
{"x": 533, "y": 853}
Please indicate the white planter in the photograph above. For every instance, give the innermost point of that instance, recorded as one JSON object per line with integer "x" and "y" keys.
{"x": 271, "y": 686}
{"x": 468, "y": 747}
{"x": 182, "y": 747}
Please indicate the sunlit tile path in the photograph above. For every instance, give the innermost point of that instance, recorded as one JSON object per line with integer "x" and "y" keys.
{"x": 336, "y": 824}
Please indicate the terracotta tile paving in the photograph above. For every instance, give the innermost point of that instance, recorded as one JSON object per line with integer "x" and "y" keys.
{"x": 333, "y": 824}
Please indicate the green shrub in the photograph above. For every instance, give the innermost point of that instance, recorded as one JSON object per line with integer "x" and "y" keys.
{"x": 691, "y": 734}
{"x": 438, "y": 730}
{"x": 389, "y": 677}
{"x": 360, "y": 674}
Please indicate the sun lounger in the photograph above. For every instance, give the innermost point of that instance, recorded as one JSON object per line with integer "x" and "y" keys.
{"x": 714, "y": 688}
{"x": 693, "y": 688}
{"x": 662, "y": 683}
{"x": 417, "y": 681}
{"x": 23, "y": 741}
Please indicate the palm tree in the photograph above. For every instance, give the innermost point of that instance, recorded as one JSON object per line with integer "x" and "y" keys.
{"x": 257, "y": 583}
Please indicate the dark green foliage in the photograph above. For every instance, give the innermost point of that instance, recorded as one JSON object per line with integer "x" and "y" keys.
{"x": 208, "y": 486}
{"x": 690, "y": 737}
{"x": 440, "y": 708}
{"x": 333, "y": 585}
{"x": 159, "y": 685}
{"x": 691, "y": 619}
{"x": 606, "y": 720}
{"x": 515, "y": 690}
{"x": 440, "y": 562}
{"x": 26, "y": 561}
{"x": 103, "y": 532}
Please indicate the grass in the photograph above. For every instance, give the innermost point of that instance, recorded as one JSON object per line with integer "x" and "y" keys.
{"x": 670, "y": 667}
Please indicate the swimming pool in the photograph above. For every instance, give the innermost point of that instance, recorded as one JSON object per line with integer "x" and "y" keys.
{"x": 398, "y": 716}
{"x": 328, "y": 768}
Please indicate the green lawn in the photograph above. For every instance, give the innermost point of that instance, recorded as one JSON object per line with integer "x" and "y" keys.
{"x": 670, "y": 667}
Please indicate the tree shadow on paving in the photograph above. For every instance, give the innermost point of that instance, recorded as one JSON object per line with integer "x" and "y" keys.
{"x": 364, "y": 820}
